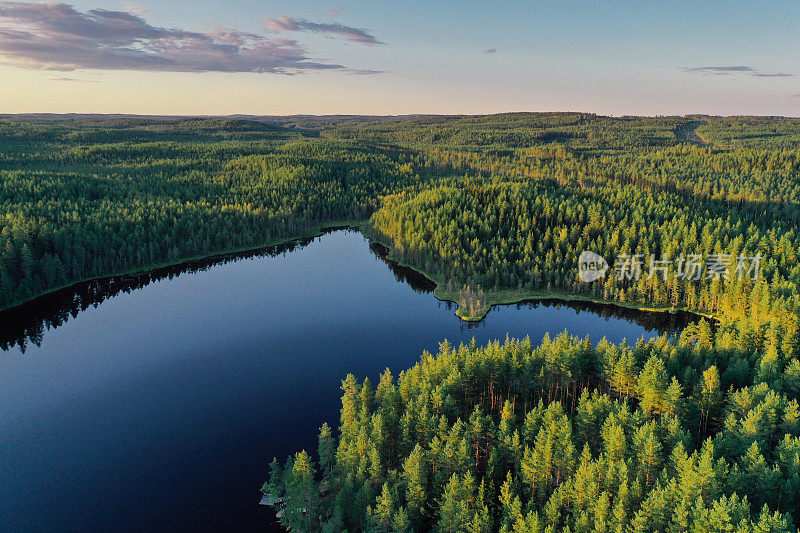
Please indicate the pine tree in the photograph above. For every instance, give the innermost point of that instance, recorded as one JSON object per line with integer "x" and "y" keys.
{"x": 326, "y": 450}
{"x": 383, "y": 511}
{"x": 414, "y": 474}
{"x": 303, "y": 499}
{"x": 710, "y": 399}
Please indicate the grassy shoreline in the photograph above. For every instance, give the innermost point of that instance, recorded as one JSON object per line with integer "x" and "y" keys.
{"x": 510, "y": 296}
{"x": 316, "y": 231}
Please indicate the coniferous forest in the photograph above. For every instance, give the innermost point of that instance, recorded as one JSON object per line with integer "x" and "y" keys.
{"x": 696, "y": 432}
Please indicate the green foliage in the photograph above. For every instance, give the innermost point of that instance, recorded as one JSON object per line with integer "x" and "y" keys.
{"x": 497, "y": 440}
{"x": 696, "y": 433}
{"x": 92, "y": 198}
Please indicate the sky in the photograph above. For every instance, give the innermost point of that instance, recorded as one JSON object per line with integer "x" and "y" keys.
{"x": 276, "y": 57}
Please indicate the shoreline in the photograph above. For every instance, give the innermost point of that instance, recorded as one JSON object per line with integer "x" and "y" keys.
{"x": 511, "y": 297}
{"x": 317, "y": 231}
{"x": 503, "y": 297}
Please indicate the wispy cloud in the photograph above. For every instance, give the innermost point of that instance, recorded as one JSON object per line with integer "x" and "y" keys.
{"x": 64, "y": 78}
{"x": 335, "y": 11}
{"x": 736, "y": 69}
{"x": 355, "y": 35}
{"x": 722, "y": 71}
{"x": 490, "y": 51}
{"x": 364, "y": 71}
{"x": 56, "y": 36}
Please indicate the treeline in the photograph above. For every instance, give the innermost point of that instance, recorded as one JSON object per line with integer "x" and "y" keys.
{"x": 499, "y": 236}
{"x": 763, "y": 176}
{"x": 84, "y": 197}
{"x": 773, "y": 132}
{"x": 680, "y": 435}
{"x": 27, "y": 325}
{"x": 522, "y": 217}
{"x": 516, "y": 130}
{"x": 148, "y": 193}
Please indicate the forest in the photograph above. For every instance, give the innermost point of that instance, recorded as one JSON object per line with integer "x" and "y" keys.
{"x": 693, "y": 432}
{"x": 680, "y": 435}
{"x": 95, "y": 199}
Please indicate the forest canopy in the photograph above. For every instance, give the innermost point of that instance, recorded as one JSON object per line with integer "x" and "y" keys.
{"x": 693, "y": 433}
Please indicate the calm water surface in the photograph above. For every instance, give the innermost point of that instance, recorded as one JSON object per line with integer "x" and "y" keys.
{"x": 157, "y": 402}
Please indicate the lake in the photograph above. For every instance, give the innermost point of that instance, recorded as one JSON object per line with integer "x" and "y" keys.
{"x": 156, "y": 402}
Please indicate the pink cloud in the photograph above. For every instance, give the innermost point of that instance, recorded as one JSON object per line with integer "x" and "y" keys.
{"x": 355, "y": 35}
{"x": 56, "y": 36}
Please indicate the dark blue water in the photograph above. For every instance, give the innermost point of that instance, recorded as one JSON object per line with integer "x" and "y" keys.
{"x": 156, "y": 404}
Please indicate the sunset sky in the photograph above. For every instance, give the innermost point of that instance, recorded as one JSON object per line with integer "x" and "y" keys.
{"x": 376, "y": 57}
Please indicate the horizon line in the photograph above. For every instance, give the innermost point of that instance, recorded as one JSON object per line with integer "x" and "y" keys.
{"x": 400, "y": 115}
